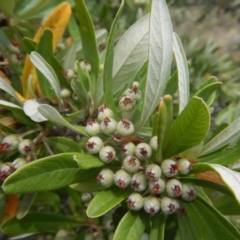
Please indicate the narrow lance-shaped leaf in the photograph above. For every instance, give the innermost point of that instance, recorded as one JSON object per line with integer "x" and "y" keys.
{"x": 183, "y": 74}
{"x": 158, "y": 227}
{"x": 189, "y": 128}
{"x": 230, "y": 178}
{"x": 108, "y": 63}
{"x": 105, "y": 200}
{"x": 160, "y": 58}
{"x": 131, "y": 226}
{"x": 54, "y": 116}
{"x": 130, "y": 53}
{"x": 47, "y": 71}
{"x": 224, "y": 138}
{"x": 89, "y": 44}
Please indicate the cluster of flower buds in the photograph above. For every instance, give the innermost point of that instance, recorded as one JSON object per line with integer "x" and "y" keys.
{"x": 155, "y": 186}
{"x": 15, "y": 58}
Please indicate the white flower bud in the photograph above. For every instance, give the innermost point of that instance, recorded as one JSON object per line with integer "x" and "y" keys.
{"x": 104, "y": 112}
{"x": 86, "y": 197}
{"x": 170, "y": 168}
{"x": 131, "y": 164}
{"x": 105, "y": 177}
{"x": 188, "y": 192}
{"x": 134, "y": 93}
{"x": 68, "y": 74}
{"x": 128, "y": 149}
{"x": 125, "y": 128}
{"x": 151, "y": 205}
{"x": 157, "y": 186}
{"x": 6, "y": 169}
{"x": 169, "y": 205}
{"x": 9, "y": 143}
{"x": 92, "y": 128}
{"x": 184, "y": 166}
{"x": 19, "y": 162}
{"x": 94, "y": 145}
{"x": 13, "y": 47}
{"x": 108, "y": 125}
{"x": 26, "y": 146}
{"x": 135, "y": 201}
{"x": 154, "y": 143}
{"x": 15, "y": 59}
{"x": 122, "y": 178}
{"x": 153, "y": 172}
{"x": 85, "y": 66}
{"x": 107, "y": 154}
{"x": 139, "y": 182}
{"x": 143, "y": 151}
{"x": 173, "y": 188}
{"x": 127, "y": 103}
{"x": 65, "y": 93}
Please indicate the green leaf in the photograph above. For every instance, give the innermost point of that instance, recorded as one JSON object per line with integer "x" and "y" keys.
{"x": 29, "y": 45}
{"x": 206, "y": 92}
{"x": 64, "y": 144}
{"x": 158, "y": 226}
{"x": 172, "y": 84}
{"x": 183, "y": 73}
{"x": 229, "y": 177}
{"x": 131, "y": 226}
{"x": 6, "y": 87}
{"x": 224, "y": 138}
{"x": 48, "y": 198}
{"x": 88, "y": 161}
{"x": 38, "y": 222}
{"x": 108, "y": 63}
{"x": 7, "y": 7}
{"x": 89, "y": 44}
{"x": 25, "y": 205}
{"x": 202, "y": 221}
{"x": 160, "y": 58}
{"x": 45, "y": 174}
{"x": 190, "y": 127}
{"x": 105, "y": 200}
{"x": 47, "y": 71}
{"x": 45, "y": 49}
{"x": 227, "y": 206}
{"x": 54, "y": 116}
{"x": 130, "y": 54}
{"x": 224, "y": 157}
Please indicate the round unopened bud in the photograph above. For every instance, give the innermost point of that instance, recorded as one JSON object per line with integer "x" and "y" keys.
{"x": 131, "y": 164}
{"x": 13, "y": 47}
{"x": 94, "y": 145}
{"x": 10, "y": 143}
{"x": 139, "y": 182}
{"x": 104, "y": 112}
{"x": 169, "y": 205}
{"x": 15, "y": 59}
{"x": 86, "y": 197}
{"x": 107, "y": 154}
{"x": 122, "y": 178}
{"x": 6, "y": 169}
{"x": 92, "y": 128}
{"x": 105, "y": 177}
{"x": 153, "y": 172}
{"x": 173, "y": 188}
{"x": 134, "y": 93}
{"x": 157, "y": 186}
{"x": 154, "y": 143}
{"x": 108, "y": 125}
{"x": 127, "y": 103}
{"x": 170, "y": 168}
{"x": 188, "y": 192}
{"x": 151, "y": 205}
{"x": 26, "y": 146}
{"x": 128, "y": 149}
{"x": 135, "y": 201}
{"x": 65, "y": 93}
{"x": 85, "y": 66}
{"x": 143, "y": 151}
{"x": 19, "y": 162}
{"x": 68, "y": 74}
{"x": 125, "y": 128}
{"x": 184, "y": 166}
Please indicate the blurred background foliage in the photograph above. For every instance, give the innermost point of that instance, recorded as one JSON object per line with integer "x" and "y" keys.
{"x": 209, "y": 31}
